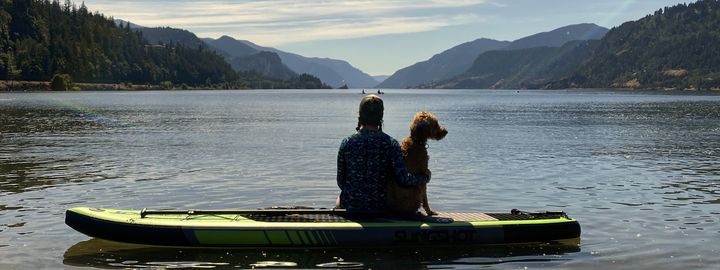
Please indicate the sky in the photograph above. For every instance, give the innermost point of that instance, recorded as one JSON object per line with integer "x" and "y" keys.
{"x": 376, "y": 36}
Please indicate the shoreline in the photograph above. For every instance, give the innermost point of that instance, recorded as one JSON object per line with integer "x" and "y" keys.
{"x": 44, "y": 86}
{"x": 24, "y": 86}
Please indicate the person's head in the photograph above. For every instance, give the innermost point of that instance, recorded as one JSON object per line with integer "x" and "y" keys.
{"x": 371, "y": 112}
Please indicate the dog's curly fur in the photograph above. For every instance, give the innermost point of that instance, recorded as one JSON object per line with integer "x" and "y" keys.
{"x": 407, "y": 200}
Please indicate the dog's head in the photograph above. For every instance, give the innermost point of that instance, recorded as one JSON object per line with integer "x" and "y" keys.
{"x": 425, "y": 126}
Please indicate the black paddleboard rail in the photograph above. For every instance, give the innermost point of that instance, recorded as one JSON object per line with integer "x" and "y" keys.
{"x": 539, "y": 214}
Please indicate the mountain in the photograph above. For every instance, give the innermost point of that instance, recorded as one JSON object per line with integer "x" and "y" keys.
{"x": 157, "y": 35}
{"x": 41, "y": 38}
{"x": 265, "y": 63}
{"x": 676, "y": 47}
{"x": 124, "y": 23}
{"x": 443, "y": 65}
{"x": 534, "y": 61}
{"x": 381, "y": 78}
{"x": 673, "y": 48}
{"x": 524, "y": 68}
{"x": 230, "y": 46}
{"x": 458, "y": 59}
{"x": 560, "y": 36}
{"x": 333, "y": 72}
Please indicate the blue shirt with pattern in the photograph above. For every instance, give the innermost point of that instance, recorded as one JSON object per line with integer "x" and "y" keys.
{"x": 366, "y": 161}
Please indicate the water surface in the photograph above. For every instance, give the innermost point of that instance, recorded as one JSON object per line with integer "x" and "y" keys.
{"x": 639, "y": 171}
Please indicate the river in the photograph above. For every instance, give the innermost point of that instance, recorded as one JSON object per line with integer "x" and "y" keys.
{"x": 638, "y": 170}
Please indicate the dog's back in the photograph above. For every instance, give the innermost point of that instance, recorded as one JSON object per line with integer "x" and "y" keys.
{"x": 404, "y": 199}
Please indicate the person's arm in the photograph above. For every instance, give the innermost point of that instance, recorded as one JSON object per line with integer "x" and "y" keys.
{"x": 341, "y": 165}
{"x": 400, "y": 171}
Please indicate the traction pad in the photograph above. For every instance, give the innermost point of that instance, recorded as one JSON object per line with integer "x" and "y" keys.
{"x": 440, "y": 218}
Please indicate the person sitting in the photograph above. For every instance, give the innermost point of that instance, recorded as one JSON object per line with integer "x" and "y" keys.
{"x": 368, "y": 159}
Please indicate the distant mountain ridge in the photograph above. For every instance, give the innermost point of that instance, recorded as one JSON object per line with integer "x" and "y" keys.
{"x": 521, "y": 69}
{"x": 443, "y": 65}
{"x": 230, "y": 46}
{"x": 156, "y": 35}
{"x": 673, "y": 48}
{"x": 334, "y": 72}
{"x": 123, "y": 23}
{"x": 266, "y": 64}
{"x": 560, "y": 36}
{"x": 381, "y": 78}
{"x": 458, "y": 59}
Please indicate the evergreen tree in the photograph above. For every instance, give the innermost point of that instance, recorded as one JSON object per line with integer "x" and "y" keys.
{"x": 43, "y": 38}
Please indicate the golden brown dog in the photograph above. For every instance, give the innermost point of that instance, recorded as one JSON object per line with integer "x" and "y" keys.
{"x": 404, "y": 199}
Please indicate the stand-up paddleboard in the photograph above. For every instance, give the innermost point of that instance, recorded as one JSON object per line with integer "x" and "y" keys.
{"x": 301, "y": 227}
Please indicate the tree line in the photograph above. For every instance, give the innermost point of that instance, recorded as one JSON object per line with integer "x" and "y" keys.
{"x": 676, "y": 47}
{"x": 41, "y": 38}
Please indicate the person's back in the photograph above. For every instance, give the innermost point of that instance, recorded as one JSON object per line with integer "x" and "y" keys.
{"x": 368, "y": 159}
{"x": 365, "y": 158}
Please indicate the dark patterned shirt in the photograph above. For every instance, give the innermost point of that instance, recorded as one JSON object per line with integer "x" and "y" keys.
{"x": 366, "y": 161}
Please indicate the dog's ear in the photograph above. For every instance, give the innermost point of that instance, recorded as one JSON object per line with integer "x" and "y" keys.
{"x": 421, "y": 127}
{"x": 437, "y": 131}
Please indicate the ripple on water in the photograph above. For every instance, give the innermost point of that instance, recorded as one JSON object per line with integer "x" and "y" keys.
{"x": 637, "y": 170}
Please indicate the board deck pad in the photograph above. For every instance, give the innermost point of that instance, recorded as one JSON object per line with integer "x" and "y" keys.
{"x": 468, "y": 216}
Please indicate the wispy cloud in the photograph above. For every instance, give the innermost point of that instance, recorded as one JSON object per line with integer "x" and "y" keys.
{"x": 275, "y": 22}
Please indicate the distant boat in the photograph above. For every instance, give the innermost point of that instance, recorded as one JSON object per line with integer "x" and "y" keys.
{"x": 380, "y": 92}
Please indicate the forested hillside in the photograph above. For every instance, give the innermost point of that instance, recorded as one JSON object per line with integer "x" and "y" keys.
{"x": 439, "y": 70}
{"x": 266, "y": 64}
{"x": 332, "y": 71}
{"x": 166, "y": 35}
{"x": 442, "y": 66}
{"x": 40, "y": 38}
{"x": 526, "y": 68}
{"x": 676, "y": 47}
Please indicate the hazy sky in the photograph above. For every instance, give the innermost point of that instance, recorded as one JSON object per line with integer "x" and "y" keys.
{"x": 377, "y": 36}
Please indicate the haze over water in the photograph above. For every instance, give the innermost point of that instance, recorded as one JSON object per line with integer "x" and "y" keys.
{"x": 639, "y": 171}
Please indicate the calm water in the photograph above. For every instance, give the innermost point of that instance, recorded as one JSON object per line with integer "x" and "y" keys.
{"x": 641, "y": 172}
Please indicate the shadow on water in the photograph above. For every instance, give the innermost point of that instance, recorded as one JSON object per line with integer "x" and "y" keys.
{"x": 97, "y": 253}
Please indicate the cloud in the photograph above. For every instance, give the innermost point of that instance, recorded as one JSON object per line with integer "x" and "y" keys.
{"x": 274, "y": 22}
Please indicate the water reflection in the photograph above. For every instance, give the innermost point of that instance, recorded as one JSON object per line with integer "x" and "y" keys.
{"x": 638, "y": 170}
{"x": 38, "y": 147}
{"x": 39, "y": 119}
{"x": 98, "y": 253}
